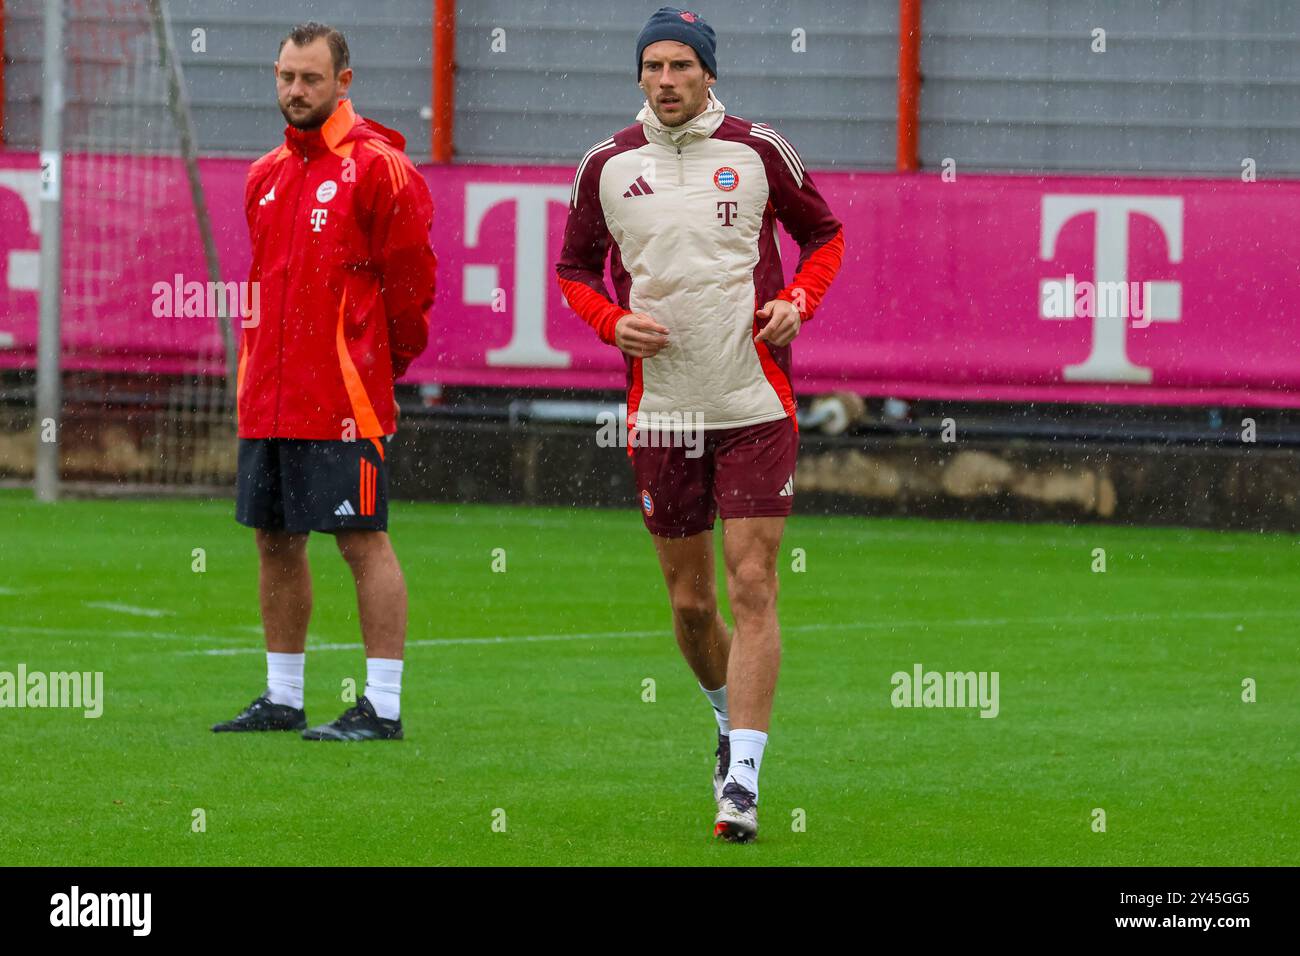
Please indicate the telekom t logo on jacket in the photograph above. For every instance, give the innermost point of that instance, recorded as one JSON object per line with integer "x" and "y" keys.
{"x": 1108, "y": 359}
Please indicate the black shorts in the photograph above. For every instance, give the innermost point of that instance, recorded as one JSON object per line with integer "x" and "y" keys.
{"x": 300, "y": 485}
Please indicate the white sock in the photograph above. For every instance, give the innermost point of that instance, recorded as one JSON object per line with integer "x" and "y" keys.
{"x": 718, "y": 698}
{"x": 746, "y": 757}
{"x": 284, "y": 678}
{"x": 384, "y": 686}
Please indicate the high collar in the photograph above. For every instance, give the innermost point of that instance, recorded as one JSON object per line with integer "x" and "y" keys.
{"x": 701, "y": 127}
{"x": 323, "y": 139}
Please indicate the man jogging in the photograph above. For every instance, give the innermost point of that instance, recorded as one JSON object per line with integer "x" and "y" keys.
{"x": 689, "y": 198}
{"x": 339, "y": 220}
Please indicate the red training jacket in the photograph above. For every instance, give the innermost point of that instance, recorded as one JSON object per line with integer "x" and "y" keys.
{"x": 339, "y": 220}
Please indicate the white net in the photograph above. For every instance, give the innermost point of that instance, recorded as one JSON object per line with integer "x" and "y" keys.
{"x": 145, "y": 387}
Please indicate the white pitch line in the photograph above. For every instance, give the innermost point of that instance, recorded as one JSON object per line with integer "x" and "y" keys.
{"x": 802, "y": 537}
{"x": 95, "y": 632}
{"x": 1175, "y": 537}
{"x": 510, "y": 519}
{"x": 129, "y": 609}
{"x": 1080, "y": 619}
{"x": 437, "y": 642}
{"x": 866, "y": 626}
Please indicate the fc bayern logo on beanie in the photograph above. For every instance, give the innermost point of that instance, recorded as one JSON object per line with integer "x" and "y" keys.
{"x": 688, "y": 16}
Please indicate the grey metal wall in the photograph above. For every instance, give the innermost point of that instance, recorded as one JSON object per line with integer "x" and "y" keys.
{"x": 567, "y": 76}
{"x": 564, "y": 81}
{"x": 232, "y": 85}
{"x": 1184, "y": 85}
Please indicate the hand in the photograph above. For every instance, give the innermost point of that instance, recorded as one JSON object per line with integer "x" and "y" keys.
{"x": 783, "y": 322}
{"x": 640, "y": 336}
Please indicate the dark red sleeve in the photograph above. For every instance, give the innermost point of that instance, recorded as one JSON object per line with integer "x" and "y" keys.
{"x": 803, "y": 212}
{"x": 581, "y": 268}
{"x": 403, "y": 217}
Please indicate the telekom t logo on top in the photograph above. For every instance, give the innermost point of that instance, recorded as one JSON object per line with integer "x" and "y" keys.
{"x": 1108, "y": 360}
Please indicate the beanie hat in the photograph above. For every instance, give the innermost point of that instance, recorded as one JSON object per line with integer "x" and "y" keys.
{"x": 669, "y": 23}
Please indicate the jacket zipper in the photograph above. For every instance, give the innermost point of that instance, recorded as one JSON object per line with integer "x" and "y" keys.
{"x": 681, "y": 181}
{"x": 284, "y": 293}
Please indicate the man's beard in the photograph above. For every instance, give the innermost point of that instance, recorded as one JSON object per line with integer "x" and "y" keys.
{"x": 684, "y": 115}
{"x": 312, "y": 120}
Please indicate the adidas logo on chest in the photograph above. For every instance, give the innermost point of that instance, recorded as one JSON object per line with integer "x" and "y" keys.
{"x": 639, "y": 187}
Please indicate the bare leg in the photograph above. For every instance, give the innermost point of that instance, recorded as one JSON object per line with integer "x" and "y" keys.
{"x": 284, "y": 590}
{"x": 381, "y": 591}
{"x": 702, "y": 635}
{"x": 750, "y": 546}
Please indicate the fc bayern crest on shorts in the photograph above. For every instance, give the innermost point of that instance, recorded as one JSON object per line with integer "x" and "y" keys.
{"x": 726, "y": 179}
{"x": 647, "y": 503}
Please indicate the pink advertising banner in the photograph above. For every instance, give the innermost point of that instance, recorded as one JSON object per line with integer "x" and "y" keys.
{"x": 1017, "y": 288}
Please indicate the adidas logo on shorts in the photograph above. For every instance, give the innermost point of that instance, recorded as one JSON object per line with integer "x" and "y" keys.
{"x": 344, "y": 509}
{"x": 788, "y": 490}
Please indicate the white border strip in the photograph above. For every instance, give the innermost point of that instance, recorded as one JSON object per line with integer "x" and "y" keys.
{"x": 582, "y": 168}
{"x": 891, "y": 625}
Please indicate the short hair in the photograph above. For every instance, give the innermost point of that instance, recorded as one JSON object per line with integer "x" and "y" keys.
{"x": 305, "y": 33}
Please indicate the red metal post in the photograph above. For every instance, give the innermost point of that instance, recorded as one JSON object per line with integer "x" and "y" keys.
{"x": 909, "y": 85}
{"x": 2, "y": 73}
{"x": 444, "y": 88}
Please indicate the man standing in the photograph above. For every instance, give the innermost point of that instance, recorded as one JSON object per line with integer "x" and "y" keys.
{"x": 689, "y": 198}
{"x": 339, "y": 220}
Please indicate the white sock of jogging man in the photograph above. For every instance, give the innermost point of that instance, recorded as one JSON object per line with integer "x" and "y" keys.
{"x": 746, "y": 758}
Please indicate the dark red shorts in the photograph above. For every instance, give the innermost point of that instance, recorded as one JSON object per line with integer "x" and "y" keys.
{"x": 743, "y": 472}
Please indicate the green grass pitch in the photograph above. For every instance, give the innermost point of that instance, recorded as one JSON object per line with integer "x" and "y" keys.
{"x": 523, "y": 693}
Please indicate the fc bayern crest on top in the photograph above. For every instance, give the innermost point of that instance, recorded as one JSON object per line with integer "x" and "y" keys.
{"x": 726, "y": 179}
